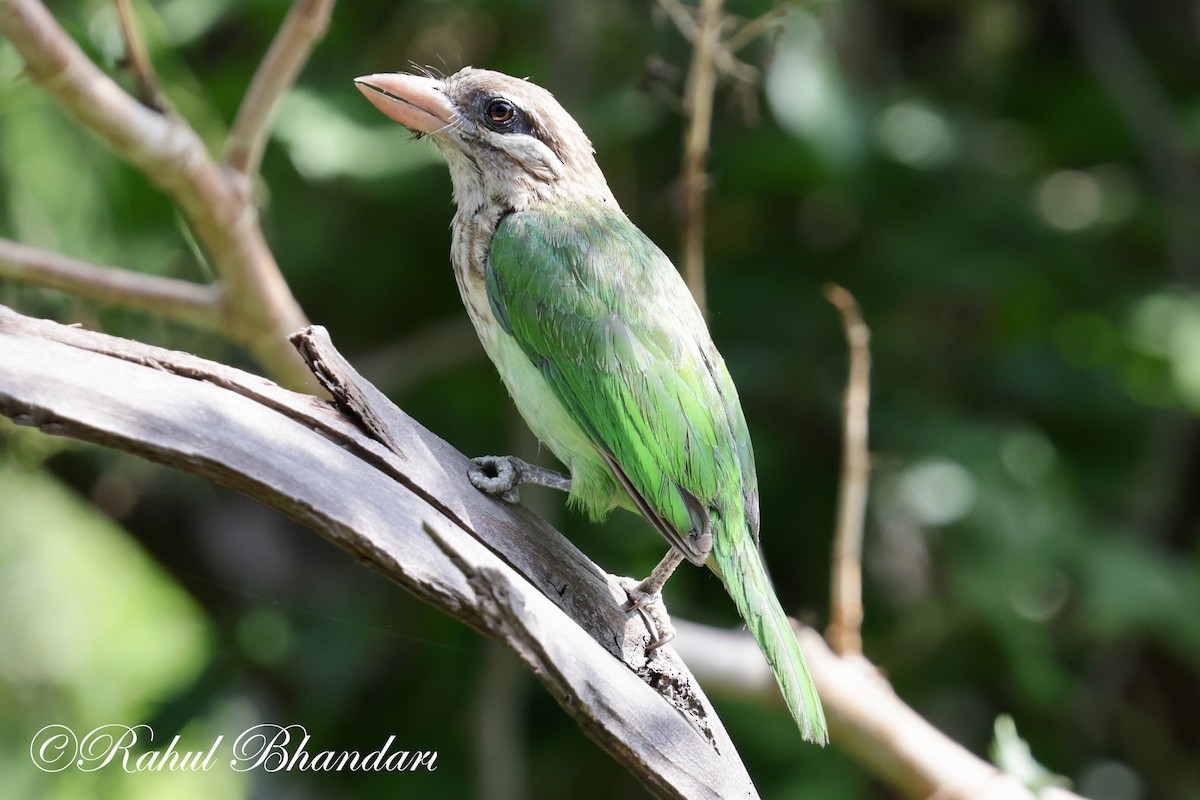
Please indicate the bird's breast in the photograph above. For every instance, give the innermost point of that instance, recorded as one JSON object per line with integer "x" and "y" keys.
{"x": 541, "y": 408}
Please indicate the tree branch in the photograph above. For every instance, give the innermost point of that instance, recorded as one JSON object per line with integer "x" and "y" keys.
{"x": 865, "y": 716}
{"x": 376, "y": 483}
{"x": 180, "y": 301}
{"x": 846, "y": 607}
{"x": 137, "y": 60}
{"x": 304, "y": 26}
{"x": 710, "y": 55}
{"x": 409, "y": 513}
{"x": 259, "y": 309}
{"x": 697, "y": 106}
{"x": 756, "y": 28}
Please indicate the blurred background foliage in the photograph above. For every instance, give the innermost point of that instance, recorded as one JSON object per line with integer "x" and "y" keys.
{"x": 1010, "y": 190}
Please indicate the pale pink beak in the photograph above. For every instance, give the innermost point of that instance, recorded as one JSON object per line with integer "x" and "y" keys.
{"x": 416, "y": 102}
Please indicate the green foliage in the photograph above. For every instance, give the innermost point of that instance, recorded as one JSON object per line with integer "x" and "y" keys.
{"x": 1027, "y": 268}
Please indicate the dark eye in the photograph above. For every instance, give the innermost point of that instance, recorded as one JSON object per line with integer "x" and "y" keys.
{"x": 501, "y": 112}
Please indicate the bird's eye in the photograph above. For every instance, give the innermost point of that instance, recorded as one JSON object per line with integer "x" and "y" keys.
{"x": 501, "y": 112}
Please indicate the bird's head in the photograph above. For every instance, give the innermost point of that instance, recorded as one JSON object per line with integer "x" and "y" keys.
{"x": 507, "y": 141}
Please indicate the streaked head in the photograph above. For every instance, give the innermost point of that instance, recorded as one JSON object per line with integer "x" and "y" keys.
{"x": 506, "y": 140}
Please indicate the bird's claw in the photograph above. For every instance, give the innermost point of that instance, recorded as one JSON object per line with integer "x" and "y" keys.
{"x": 496, "y": 475}
{"x": 650, "y": 607}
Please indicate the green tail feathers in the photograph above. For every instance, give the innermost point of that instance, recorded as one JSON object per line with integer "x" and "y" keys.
{"x": 747, "y": 583}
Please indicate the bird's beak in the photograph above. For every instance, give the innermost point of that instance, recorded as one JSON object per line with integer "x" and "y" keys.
{"x": 416, "y": 102}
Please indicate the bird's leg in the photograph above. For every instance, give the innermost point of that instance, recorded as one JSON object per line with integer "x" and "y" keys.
{"x": 501, "y": 475}
{"x": 645, "y": 597}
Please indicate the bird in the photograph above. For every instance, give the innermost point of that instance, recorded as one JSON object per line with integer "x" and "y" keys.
{"x": 599, "y": 342}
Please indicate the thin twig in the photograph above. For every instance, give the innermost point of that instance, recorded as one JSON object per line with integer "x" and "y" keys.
{"x": 304, "y": 26}
{"x": 723, "y": 52}
{"x": 711, "y": 55}
{"x": 137, "y": 60}
{"x": 683, "y": 17}
{"x": 181, "y": 301}
{"x": 698, "y": 105}
{"x": 755, "y": 28}
{"x": 846, "y": 607}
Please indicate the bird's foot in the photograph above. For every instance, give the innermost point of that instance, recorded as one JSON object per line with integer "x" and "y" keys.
{"x": 496, "y": 475}
{"x": 646, "y": 599}
{"x": 501, "y": 475}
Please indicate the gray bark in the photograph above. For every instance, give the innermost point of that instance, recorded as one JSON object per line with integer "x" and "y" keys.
{"x": 405, "y": 508}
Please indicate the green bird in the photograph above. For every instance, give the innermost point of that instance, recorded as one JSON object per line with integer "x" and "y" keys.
{"x": 598, "y": 341}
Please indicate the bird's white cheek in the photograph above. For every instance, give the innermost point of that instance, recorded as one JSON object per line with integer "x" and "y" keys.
{"x": 549, "y": 168}
{"x": 536, "y": 159}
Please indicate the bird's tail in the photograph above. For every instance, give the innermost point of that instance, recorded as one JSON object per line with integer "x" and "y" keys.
{"x": 747, "y": 583}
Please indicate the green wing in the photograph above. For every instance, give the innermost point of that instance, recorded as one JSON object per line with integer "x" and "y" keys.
{"x": 605, "y": 317}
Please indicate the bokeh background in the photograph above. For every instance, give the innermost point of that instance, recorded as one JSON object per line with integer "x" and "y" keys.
{"x": 1012, "y": 191}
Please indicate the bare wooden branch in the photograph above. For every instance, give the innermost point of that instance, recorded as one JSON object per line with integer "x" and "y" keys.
{"x": 303, "y": 27}
{"x": 698, "y": 104}
{"x": 865, "y": 716}
{"x": 756, "y": 28}
{"x": 683, "y": 17}
{"x": 710, "y": 55}
{"x": 846, "y": 606}
{"x": 259, "y": 309}
{"x": 723, "y": 54}
{"x": 137, "y": 60}
{"x": 408, "y": 510}
{"x": 409, "y": 513}
{"x": 177, "y": 300}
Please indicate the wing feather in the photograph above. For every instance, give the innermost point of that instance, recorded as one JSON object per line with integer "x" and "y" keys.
{"x": 607, "y": 320}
